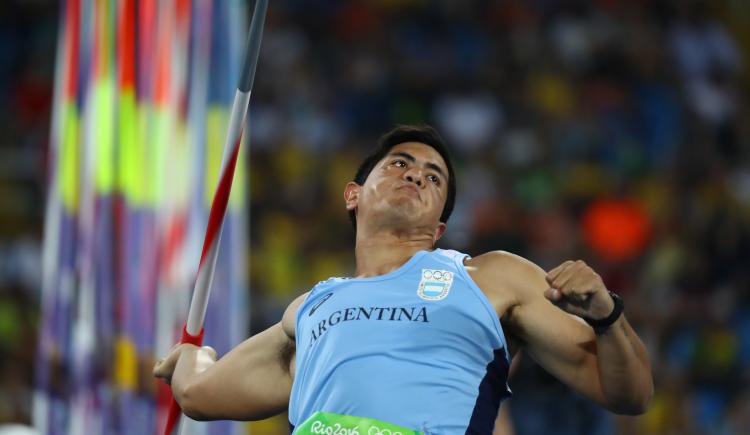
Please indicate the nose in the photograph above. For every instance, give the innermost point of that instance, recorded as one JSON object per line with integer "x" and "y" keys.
{"x": 414, "y": 178}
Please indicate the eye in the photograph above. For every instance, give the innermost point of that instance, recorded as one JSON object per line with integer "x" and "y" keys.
{"x": 399, "y": 163}
{"x": 433, "y": 179}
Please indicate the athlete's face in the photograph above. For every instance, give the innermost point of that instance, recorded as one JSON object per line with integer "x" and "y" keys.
{"x": 409, "y": 185}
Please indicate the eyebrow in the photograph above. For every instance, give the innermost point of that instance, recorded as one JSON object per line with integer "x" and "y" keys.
{"x": 411, "y": 158}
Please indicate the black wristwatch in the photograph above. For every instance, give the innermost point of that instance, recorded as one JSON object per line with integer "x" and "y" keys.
{"x": 601, "y": 325}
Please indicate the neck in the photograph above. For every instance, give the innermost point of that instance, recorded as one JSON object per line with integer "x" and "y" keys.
{"x": 378, "y": 253}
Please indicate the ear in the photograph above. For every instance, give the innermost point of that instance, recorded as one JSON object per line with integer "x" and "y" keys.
{"x": 351, "y": 195}
{"x": 439, "y": 232}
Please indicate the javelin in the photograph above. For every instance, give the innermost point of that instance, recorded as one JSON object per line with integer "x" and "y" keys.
{"x": 193, "y": 331}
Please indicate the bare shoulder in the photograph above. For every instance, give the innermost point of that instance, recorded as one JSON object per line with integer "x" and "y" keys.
{"x": 506, "y": 280}
{"x": 506, "y": 275}
{"x": 289, "y": 319}
{"x": 495, "y": 259}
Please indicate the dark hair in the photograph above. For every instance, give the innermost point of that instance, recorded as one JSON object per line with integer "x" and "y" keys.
{"x": 402, "y": 134}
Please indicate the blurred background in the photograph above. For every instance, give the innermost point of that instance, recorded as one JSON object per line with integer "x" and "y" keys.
{"x": 612, "y": 131}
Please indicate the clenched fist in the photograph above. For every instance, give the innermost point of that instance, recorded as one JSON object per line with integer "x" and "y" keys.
{"x": 575, "y": 288}
{"x": 164, "y": 368}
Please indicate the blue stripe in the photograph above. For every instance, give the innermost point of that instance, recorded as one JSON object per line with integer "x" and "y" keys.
{"x": 492, "y": 390}
{"x": 291, "y": 428}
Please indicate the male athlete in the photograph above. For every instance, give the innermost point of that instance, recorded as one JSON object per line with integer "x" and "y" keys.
{"x": 420, "y": 340}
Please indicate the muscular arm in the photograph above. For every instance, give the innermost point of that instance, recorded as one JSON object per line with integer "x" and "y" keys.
{"x": 251, "y": 382}
{"x": 611, "y": 368}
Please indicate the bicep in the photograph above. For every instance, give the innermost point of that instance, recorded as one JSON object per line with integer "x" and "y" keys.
{"x": 250, "y": 382}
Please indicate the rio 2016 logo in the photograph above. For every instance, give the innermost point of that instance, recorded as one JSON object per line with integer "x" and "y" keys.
{"x": 336, "y": 429}
{"x": 321, "y": 428}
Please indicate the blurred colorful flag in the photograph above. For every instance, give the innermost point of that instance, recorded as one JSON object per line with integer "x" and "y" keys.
{"x": 143, "y": 90}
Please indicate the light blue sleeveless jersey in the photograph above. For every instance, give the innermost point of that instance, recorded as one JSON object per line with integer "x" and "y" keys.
{"x": 420, "y": 347}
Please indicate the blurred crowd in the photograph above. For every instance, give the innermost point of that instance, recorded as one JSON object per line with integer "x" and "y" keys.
{"x": 610, "y": 131}
{"x": 27, "y": 53}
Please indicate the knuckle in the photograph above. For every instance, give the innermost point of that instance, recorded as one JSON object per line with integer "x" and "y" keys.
{"x": 210, "y": 351}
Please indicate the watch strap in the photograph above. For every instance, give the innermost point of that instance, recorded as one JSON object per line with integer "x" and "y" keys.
{"x": 600, "y": 324}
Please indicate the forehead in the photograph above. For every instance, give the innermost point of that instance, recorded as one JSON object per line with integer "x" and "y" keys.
{"x": 423, "y": 153}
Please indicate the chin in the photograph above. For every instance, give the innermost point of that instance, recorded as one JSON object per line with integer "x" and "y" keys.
{"x": 401, "y": 212}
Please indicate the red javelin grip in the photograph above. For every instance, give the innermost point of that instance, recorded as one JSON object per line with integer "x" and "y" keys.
{"x": 174, "y": 408}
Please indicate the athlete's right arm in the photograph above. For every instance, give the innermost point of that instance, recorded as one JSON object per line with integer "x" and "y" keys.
{"x": 251, "y": 382}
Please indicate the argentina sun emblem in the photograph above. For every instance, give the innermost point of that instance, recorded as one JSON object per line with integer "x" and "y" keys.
{"x": 435, "y": 284}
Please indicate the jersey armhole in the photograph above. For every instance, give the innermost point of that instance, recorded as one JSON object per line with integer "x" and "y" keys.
{"x": 479, "y": 294}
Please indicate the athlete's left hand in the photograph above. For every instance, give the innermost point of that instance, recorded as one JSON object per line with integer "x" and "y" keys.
{"x": 575, "y": 288}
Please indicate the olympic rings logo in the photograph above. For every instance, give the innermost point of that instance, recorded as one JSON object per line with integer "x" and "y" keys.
{"x": 437, "y": 275}
{"x": 374, "y": 430}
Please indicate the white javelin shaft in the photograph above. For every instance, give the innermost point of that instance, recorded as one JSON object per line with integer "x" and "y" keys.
{"x": 202, "y": 289}
{"x": 206, "y": 269}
